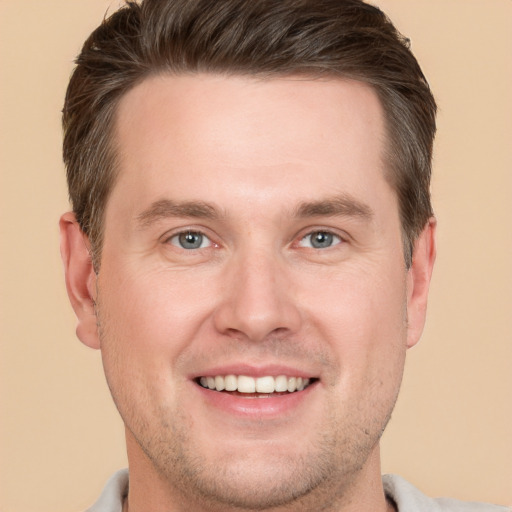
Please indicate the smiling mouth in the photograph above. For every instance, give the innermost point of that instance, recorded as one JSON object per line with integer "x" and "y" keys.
{"x": 246, "y": 385}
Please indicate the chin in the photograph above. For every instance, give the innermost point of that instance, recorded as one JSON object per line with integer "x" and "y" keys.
{"x": 259, "y": 475}
{"x": 255, "y": 484}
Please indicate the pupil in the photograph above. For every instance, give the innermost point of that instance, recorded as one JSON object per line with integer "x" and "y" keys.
{"x": 191, "y": 240}
{"x": 322, "y": 239}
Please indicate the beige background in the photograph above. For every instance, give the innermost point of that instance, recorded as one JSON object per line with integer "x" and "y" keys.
{"x": 451, "y": 434}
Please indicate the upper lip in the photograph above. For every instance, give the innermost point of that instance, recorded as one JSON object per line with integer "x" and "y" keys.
{"x": 255, "y": 371}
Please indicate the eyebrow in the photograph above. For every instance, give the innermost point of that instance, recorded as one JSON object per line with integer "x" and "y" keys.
{"x": 165, "y": 208}
{"x": 337, "y": 206}
{"x": 343, "y": 206}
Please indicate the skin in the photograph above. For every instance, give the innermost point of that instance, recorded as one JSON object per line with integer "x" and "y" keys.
{"x": 276, "y": 161}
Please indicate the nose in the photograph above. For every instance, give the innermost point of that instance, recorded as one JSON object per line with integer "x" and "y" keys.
{"x": 257, "y": 299}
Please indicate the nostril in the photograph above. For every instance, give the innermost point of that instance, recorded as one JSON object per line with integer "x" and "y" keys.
{"x": 257, "y": 307}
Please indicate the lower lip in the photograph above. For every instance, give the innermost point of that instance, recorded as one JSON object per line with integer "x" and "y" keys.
{"x": 268, "y": 406}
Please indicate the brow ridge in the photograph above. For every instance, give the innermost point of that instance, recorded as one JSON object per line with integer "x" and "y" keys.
{"x": 342, "y": 205}
{"x": 165, "y": 208}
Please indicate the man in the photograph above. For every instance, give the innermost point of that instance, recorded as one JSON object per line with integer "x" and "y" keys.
{"x": 250, "y": 248}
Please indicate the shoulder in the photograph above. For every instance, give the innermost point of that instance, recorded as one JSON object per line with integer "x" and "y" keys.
{"x": 408, "y": 498}
{"x": 111, "y": 499}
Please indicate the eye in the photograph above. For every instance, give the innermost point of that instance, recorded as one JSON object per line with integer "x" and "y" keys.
{"x": 190, "y": 240}
{"x": 320, "y": 240}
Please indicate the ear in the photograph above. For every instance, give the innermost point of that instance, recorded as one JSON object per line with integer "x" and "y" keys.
{"x": 418, "y": 281}
{"x": 80, "y": 278}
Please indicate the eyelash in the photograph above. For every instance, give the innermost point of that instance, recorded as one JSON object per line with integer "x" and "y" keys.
{"x": 177, "y": 239}
{"x": 189, "y": 233}
{"x": 332, "y": 238}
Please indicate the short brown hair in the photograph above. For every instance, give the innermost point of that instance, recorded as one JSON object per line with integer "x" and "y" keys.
{"x": 332, "y": 38}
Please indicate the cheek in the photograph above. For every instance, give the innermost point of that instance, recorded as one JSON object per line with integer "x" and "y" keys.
{"x": 144, "y": 328}
{"x": 154, "y": 311}
{"x": 150, "y": 323}
{"x": 361, "y": 313}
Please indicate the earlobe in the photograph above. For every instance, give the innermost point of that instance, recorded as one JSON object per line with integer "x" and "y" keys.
{"x": 418, "y": 281}
{"x": 80, "y": 278}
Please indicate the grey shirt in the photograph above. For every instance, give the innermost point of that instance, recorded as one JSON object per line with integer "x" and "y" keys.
{"x": 406, "y": 497}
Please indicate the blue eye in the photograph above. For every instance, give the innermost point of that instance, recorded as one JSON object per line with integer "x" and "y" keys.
{"x": 190, "y": 240}
{"x": 320, "y": 240}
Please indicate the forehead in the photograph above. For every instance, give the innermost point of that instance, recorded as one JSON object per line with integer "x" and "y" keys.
{"x": 214, "y": 103}
{"x": 249, "y": 135}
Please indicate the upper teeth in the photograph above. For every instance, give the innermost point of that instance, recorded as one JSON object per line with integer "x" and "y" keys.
{"x": 245, "y": 384}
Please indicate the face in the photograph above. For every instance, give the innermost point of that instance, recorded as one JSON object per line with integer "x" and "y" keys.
{"x": 252, "y": 299}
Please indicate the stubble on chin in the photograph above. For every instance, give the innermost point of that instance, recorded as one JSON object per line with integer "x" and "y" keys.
{"x": 240, "y": 481}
